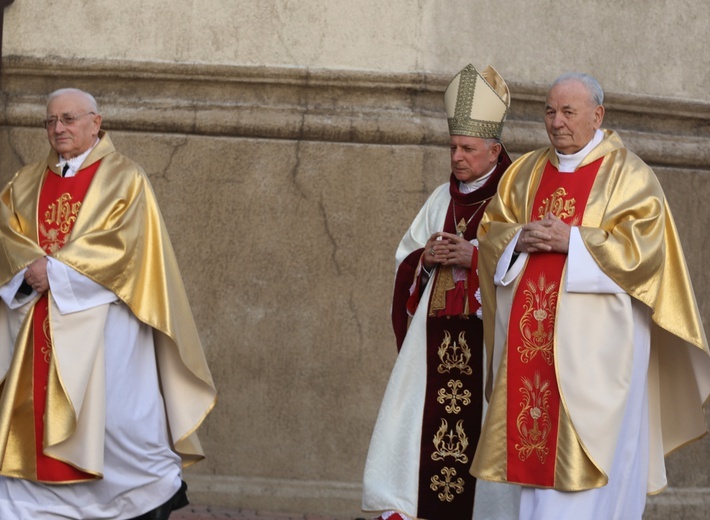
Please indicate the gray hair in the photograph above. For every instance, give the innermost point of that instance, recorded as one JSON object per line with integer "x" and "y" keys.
{"x": 89, "y": 98}
{"x": 590, "y": 83}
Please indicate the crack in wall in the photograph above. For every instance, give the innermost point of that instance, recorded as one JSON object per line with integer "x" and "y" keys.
{"x": 356, "y": 319}
{"x": 295, "y": 170}
{"x": 330, "y": 236}
{"x": 175, "y": 148}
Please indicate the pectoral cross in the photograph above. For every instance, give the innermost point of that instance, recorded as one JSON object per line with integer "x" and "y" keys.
{"x": 461, "y": 227}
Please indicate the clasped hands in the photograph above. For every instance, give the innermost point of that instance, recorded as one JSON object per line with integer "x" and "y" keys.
{"x": 549, "y": 235}
{"x": 36, "y": 275}
{"x": 447, "y": 249}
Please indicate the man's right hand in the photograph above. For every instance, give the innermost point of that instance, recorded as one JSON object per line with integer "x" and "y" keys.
{"x": 435, "y": 250}
{"x": 36, "y": 275}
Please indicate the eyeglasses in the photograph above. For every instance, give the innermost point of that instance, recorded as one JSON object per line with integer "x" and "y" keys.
{"x": 66, "y": 120}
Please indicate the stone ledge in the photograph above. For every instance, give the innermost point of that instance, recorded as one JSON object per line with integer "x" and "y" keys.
{"x": 325, "y": 105}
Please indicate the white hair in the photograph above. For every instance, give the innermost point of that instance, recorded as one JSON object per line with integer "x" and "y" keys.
{"x": 589, "y": 82}
{"x": 94, "y": 107}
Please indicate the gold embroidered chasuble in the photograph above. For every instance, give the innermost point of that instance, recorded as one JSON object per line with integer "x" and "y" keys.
{"x": 119, "y": 241}
{"x": 629, "y": 231}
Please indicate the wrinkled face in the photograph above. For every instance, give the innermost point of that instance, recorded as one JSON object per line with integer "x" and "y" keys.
{"x": 472, "y": 157}
{"x": 571, "y": 116}
{"x": 78, "y": 132}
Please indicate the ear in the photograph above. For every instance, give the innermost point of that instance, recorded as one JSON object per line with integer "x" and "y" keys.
{"x": 96, "y": 124}
{"x": 495, "y": 150}
{"x": 598, "y": 116}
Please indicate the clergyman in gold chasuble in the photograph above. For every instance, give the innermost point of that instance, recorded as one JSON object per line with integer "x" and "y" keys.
{"x": 104, "y": 378}
{"x": 598, "y": 361}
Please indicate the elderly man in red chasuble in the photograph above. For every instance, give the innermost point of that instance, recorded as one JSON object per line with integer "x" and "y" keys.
{"x": 105, "y": 379}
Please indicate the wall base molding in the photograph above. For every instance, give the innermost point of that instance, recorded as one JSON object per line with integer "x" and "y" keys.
{"x": 678, "y": 504}
{"x": 342, "y": 499}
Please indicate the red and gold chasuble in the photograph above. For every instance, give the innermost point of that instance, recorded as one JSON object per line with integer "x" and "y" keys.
{"x": 59, "y": 204}
{"x": 533, "y": 410}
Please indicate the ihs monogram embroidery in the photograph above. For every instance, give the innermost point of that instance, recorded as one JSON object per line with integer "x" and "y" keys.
{"x": 557, "y": 205}
{"x": 59, "y": 218}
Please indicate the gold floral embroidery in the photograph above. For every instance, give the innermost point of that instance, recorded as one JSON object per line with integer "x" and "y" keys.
{"x": 447, "y": 485}
{"x": 46, "y": 348}
{"x": 50, "y": 240}
{"x": 454, "y": 446}
{"x": 454, "y": 397}
{"x": 533, "y": 422}
{"x": 557, "y": 205}
{"x": 454, "y": 355}
{"x": 537, "y": 323}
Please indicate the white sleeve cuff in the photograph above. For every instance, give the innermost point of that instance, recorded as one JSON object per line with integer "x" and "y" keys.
{"x": 583, "y": 273}
{"x": 72, "y": 291}
{"x": 506, "y": 273}
{"x": 8, "y": 292}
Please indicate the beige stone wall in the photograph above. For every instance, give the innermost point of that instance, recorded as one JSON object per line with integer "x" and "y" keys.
{"x": 291, "y": 143}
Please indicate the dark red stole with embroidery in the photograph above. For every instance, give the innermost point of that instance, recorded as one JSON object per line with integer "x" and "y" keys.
{"x": 453, "y": 403}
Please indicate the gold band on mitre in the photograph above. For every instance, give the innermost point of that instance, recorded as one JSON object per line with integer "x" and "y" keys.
{"x": 477, "y": 103}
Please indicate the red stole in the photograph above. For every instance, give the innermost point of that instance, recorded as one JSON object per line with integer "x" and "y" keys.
{"x": 533, "y": 398}
{"x": 59, "y": 203}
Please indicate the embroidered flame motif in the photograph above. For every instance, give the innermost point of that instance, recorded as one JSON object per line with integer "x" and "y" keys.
{"x": 447, "y": 485}
{"x": 534, "y": 419}
{"x": 453, "y": 355}
{"x": 454, "y": 446}
{"x": 537, "y": 324}
{"x": 558, "y": 205}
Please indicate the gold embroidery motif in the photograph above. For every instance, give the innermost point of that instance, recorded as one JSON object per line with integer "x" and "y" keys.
{"x": 458, "y": 357}
{"x": 443, "y": 282}
{"x": 535, "y": 408}
{"x": 62, "y": 213}
{"x": 537, "y": 323}
{"x": 46, "y": 348}
{"x": 447, "y": 485}
{"x": 454, "y": 397}
{"x": 456, "y": 445}
{"x": 50, "y": 240}
{"x": 557, "y": 205}
{"x": 60, "y": 217}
